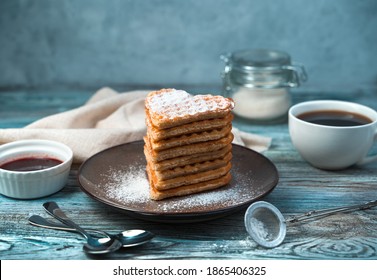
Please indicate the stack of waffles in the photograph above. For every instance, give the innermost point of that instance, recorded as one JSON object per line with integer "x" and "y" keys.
{"x": 188, "y": 143}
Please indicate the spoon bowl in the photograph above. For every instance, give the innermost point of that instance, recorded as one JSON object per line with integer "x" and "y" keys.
{"x": 133, "y": 237}
{"x": 96, "y": 246}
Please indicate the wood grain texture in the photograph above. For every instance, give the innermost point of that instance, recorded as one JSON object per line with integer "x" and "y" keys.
{"x": 301, "y": 188}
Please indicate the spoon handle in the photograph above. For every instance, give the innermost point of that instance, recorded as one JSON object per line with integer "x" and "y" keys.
{"x": 53, "y": 209}
{"x": 39, "y": 221}
{"x": 326, "y": 212}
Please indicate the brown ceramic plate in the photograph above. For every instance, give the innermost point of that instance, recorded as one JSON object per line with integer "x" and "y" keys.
{"x": 116, "y": 177}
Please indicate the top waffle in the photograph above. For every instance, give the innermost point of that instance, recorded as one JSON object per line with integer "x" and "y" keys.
{"x": 169, "y": 107}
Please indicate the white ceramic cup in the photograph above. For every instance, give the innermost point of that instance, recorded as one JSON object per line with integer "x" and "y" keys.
{"x": 333, "y": 147}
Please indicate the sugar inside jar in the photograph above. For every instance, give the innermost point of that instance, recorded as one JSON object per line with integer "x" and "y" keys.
{"x": 259, "y": 81}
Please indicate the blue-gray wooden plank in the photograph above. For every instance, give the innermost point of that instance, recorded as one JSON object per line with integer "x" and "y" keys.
{"x": 301, "y": 188}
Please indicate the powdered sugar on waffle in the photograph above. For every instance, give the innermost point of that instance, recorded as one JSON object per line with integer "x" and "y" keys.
{"x": 172, "y": 104}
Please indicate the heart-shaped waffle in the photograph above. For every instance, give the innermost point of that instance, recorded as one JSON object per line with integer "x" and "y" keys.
{"x": 169, "y": 107}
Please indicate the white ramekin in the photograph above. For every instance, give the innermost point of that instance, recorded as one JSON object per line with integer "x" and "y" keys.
{"x": 39, "y": 183}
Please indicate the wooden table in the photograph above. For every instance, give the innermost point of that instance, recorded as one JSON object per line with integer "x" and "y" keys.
{"x": 300, "y": 188}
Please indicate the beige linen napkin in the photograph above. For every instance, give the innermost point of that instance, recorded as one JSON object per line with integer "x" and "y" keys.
{"x": 107, "y": 119}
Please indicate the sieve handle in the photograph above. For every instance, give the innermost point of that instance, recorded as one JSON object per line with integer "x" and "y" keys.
{"x": 326, "y": 212}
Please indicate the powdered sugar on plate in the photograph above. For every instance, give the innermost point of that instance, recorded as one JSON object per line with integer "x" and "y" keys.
{"x": 131, "y": 187}
{"x": 117, "y": 177}
{"x": 128, "y": 186}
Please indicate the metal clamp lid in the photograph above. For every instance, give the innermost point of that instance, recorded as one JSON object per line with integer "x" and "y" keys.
{"x": 262, "y": 68}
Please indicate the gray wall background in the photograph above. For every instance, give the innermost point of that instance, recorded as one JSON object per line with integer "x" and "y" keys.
{"x": 92, "y": 43}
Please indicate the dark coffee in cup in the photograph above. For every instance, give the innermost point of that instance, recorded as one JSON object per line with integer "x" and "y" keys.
{"x": 334, "y": 118}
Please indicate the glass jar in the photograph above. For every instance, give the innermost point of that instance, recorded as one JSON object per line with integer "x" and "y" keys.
{"x": 259, "y": 81}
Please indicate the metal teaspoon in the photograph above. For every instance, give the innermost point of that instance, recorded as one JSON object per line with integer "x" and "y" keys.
{"x": 93, "y": 245}
{"x": 128, "y": 238}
